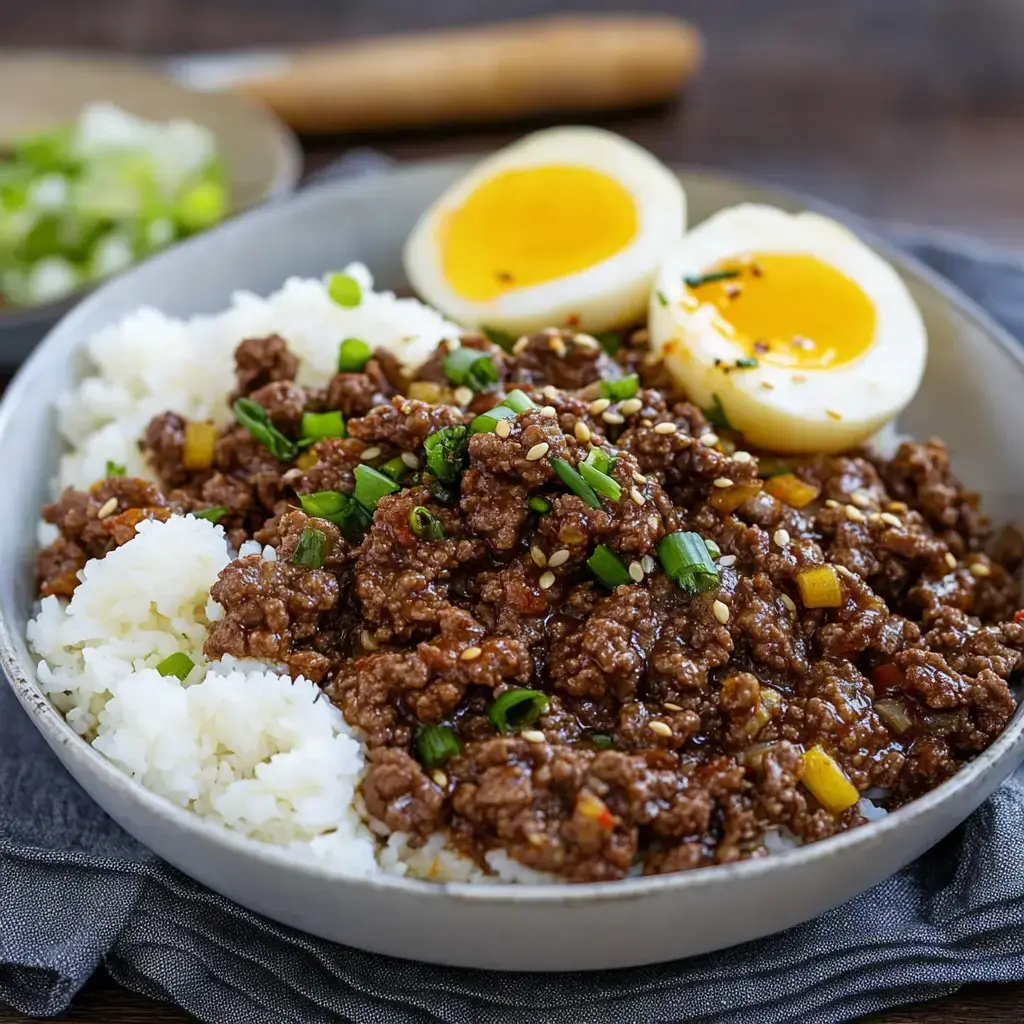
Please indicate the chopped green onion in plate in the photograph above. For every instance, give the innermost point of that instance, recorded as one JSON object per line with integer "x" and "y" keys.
{"x": 517, "y": 709}
{"x": 178, "y": 665}
{"x": 687, "y": 561}
{"x": 371, "y": 486}
{"x": 353, "y": 355}
{"x": 436, "y": 745}
{"x": 608, "y": 568}
{"x": 318, "y": 425}
{"x": 468, "y": 367}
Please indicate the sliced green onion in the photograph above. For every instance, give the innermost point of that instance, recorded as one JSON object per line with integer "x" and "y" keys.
{"x": 609, "y": 568}
{"x": 371, "y": 486}
{"x": 517, "y": 709}
{"x": 394, "y": 468}
{"x": 746, "y": 363}
{"x": 344, "y": 290}
{"x": 254, "y": 418}
{"x": 311, "y": 549}
{"x": 340, "y": 509}
{"x": 766, "y": 473}
{"x": 709, "y": 278}
{"x": 436, "y": 744}
{"x": 470, "y": 368}
{"x": 487, "y": 421}
{"x": 424, "y": 523}
{"x": 502, "y": 339}
{"x": 715, "y": 414}
{"x": 600, "y": 482}
{"x": 600, "y": 460}
{"x": 445, "y": 451}
{"x": 201, "y": 206}
{"x": 178, "y": 665}
{"x": 575, "y": 482}
{"x": 601, "y": 740}
{"x": 539, "y": 504}
{"x": 518, "y": 400}
{"x": 686, "y": 560}
{"x": 211, "y": 515}
{"x": 617, "y": 390}
{"x": 353, "y": 355}
{"x": 610, "y": 341}
{"x": 713, "y": 549}
{"x": 115, "y": 469}
{"x": 662, "y": 301}
{"x": 318, "y": 425}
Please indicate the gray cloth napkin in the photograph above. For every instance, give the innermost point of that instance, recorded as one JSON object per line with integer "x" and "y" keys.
{"x": 76, "y": 892}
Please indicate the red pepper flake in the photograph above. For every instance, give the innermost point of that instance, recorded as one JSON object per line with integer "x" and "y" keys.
{"x": 1018, "y": 616}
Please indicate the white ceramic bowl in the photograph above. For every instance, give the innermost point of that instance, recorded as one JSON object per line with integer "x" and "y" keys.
{"x": 971, "y": 397}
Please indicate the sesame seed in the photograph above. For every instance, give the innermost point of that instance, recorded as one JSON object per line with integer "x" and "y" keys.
{"x": 831, "y": 503}
{"x": 888, "y": 517}
{"x": 781, "y": 537}
{"x": 538, "y": 451}
{"x": 630, "y": 406}
{"x": 833, "y": 415}
{"x": 471, "y": 653}
{"x": 844, "y": 571}
{"x": 549, "y": 411}
{"x": 410, "y": 460}
{"x": 109, "y": 507}
{"x": 898, "y": 506}
{"x": 665, "y": 428}
{"x": 980, "y": 569}
{"x": 636, "y": 572}
{"x": 550, "y": 392}
{"x": 709, "y": 439}
{"x": 636, "y": 496}
{"x": 641, "y": 337}
{"x": 648, "y": 563}
{"x": 742, "y": 457}
{"x": 874, "y": 517}
{"x": 533, "y": 736}
{"x": 463, "y": 395}
{"x": 440, "y": 779}
{"x": 654, "y": 522}
{"x": 586, "y": 341}
{"x": 582, "y": 432}
{"x": 767, "y": 385}
{"x": 535, "y": 838}
{"x": 950, "y": 559}
{"x": 599, "y": 405}
{"x": 538, "y": 556}
{"x": 789, "y": 603}
{"x": 559, "y": 557}
{"x": 861, "y": 499}
{"x": 671, "y": 707}
{"x": 557, "y": 346}
{"x": 639, "y": 477}
{"x": 721, "y": 610}
{"x": 370, "y": 453}
{"x": 722, "y": 481}
{"x": 520, "y": 346}
{"x": 367, "y": 641}
{"x": 547, "y": 580}
{"x": 727, "y": 560}
{"x": 503, "y": 428}
{"x": 799, "y": 378}
{"x": 854, "y": 514}
{"x": 613, "y": 418}
{"x": 660, "y": 728}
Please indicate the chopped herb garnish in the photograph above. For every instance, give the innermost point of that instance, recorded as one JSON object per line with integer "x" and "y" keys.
{"x": 767, "y": 472}
{"x": 502, "y": 339}
{"x": 710, "y": 277}
{"x": 394, "y": 468}
{"x": 608, "y": 568}
{"x": 353, "y": 355}
{"x": 517, "y": 709}
{"x": 468, "y": 367}
{"x": 601, "y": 740}
{"x": 600, "y": 482}
{"x": 618, "y": 390}
{"x": 487, "y": 421}
{"x": 254, "y": 418}
{"x": 746, "y": 363}
{"x": 662, "y": 301}
{"x": 600, "y": 460}
{"x": 318, "y": 425}
{"x": 540, "y": 505}
{"x": 371, "y": 486}
{"x": 178, "y": 665}
{"x": 115, "y": 469}
{"x": 436, "y": 744}
{"x": 211, "y": 515}
{"x": 715, "y": 414}
{"x": 445, "y": 451}
{"x": 344, "y": 290}
{"x": 425, "y": 524}
{"x": 311, "y": 549}
{"x": 340, "y": 509}
{"x": 518, "y": 400}
{"x": 575, "y": 482}
{"x": 610, "y": 341}
{"x": 713, "y": 549}
{"x": 686, "y": 560}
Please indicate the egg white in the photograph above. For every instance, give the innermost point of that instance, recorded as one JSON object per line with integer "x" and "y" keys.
{"x": 612, "y": 293}
{"x": 788, "y": 409}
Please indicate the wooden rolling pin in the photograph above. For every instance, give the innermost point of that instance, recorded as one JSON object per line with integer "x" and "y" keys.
{"x": 481, "y": 75}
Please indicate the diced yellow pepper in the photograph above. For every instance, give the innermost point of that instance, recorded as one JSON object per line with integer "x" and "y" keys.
{"x": 827, "y": 781}
{"x": 791, "y": 490}
{"x": 424, "y": 391}
{"x": 197, "y": 451}
{"x": 307, "y": 458}
{"x": 728, "y": 499}
{"x": 820, "y": 587}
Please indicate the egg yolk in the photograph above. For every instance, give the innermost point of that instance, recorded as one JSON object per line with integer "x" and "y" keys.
{"x": 530, "y": 225}
{"x": 789, "y": 309}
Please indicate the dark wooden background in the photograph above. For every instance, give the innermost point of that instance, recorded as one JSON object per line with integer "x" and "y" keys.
{"x": 909, "y": 110}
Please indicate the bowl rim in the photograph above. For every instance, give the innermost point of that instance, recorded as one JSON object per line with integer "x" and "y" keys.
{"x": 1004, "y": 753}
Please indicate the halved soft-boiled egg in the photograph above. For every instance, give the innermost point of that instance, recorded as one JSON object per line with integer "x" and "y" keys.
{"x": 789, "y": 326}
{"x": 564, "y": 228}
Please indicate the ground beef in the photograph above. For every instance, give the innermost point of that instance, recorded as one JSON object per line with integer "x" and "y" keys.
{"x": 262, "y": 361}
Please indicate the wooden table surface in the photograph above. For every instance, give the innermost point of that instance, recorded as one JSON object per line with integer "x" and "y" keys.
{"x": 903, "y": 109}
